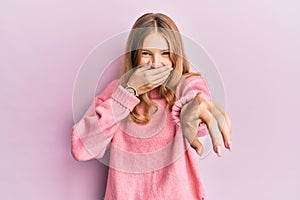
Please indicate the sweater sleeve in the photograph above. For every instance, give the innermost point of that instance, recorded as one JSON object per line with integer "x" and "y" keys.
{"x": 94, "y": 132}
{"x": 187, "y": 91}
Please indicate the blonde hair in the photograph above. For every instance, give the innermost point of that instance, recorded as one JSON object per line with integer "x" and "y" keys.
{"x": 144, "y": 25}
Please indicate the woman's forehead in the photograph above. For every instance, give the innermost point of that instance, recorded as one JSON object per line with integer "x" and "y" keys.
{"x": 155, "y": 41}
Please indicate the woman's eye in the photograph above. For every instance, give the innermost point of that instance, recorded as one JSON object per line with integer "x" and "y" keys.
{"x": 145, "y": 53}
{"x": 166, "y": 53}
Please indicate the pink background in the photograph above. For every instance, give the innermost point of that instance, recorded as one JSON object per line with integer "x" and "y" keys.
{"x": 254, "y": 44}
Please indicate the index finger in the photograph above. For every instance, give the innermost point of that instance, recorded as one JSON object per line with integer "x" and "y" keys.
{"x": 223, "y": 123}
{"x": 158, "y": 70}
{"x": 214, "y": 131}
{"x": 144, "y": 67}
{"x": 220, "y": 108}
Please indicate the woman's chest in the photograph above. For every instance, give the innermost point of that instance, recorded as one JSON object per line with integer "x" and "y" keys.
{"x": 154, "y": 135}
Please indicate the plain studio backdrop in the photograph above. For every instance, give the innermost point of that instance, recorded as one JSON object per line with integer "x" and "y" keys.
{"x": 254, "y": 45}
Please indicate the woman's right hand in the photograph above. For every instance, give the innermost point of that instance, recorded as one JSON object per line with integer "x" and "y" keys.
{"x": 145, "y": 78}
{"x": 213, "y": 115}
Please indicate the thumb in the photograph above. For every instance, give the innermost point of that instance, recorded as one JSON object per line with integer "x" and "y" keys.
{"x": 196, "y": 144}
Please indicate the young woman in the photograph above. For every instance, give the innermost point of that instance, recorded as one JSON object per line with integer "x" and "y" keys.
{"x": 150, "y": 117}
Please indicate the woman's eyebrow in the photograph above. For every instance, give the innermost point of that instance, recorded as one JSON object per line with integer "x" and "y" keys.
{"x": 160, "y": 50}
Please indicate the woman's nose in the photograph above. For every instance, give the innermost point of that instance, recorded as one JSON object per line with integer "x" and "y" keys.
{"x": 156, "y": 61}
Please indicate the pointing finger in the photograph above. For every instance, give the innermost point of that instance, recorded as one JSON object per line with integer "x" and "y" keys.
{"x": 212, "y": 125}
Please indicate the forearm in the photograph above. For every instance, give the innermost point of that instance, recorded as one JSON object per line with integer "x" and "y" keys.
{"x": 92, "y": 134}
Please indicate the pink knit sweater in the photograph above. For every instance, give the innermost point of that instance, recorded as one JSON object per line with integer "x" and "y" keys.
{"x": 153, "y": 161}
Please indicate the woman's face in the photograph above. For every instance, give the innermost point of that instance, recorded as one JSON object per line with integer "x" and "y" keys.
{"x": 155, "y": 51}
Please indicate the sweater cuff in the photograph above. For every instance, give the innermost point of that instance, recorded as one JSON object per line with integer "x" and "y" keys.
{"x": 175, "y": 113}
{"x": 122, "y": 96}
{"x": 176, "y": 109}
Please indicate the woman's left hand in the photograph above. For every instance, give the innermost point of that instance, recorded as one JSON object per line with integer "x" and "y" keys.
{"x": 213, "y": 115}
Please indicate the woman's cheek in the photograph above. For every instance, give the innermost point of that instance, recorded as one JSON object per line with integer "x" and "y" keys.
{"x": 144, "y": 61}
{"x": 168, "y": 62}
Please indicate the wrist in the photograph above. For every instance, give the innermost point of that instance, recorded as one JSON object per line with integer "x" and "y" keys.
{"x": 131, "y": 90}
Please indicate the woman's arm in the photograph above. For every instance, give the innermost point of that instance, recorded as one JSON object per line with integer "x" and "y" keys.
{"x": 93, "y": 133}
{"x": 192, "y": 85}
{"x": 187, "y": 116}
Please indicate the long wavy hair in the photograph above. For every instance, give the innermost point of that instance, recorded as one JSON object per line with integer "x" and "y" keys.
{"x": 145, "y": 25}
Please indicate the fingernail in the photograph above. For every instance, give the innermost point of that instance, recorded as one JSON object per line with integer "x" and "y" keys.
{"x": 229, "y": 145}
{"x": 219, "y": 151}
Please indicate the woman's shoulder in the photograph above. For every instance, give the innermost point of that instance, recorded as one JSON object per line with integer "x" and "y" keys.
{"x": 192, "y": 83}
{"x": 189, "y": 79}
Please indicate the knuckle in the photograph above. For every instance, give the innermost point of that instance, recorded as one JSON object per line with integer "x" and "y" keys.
{"x": 209, "y": 119}
{"x": 202, "y": 100}
{"x": 147, "y": 78}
